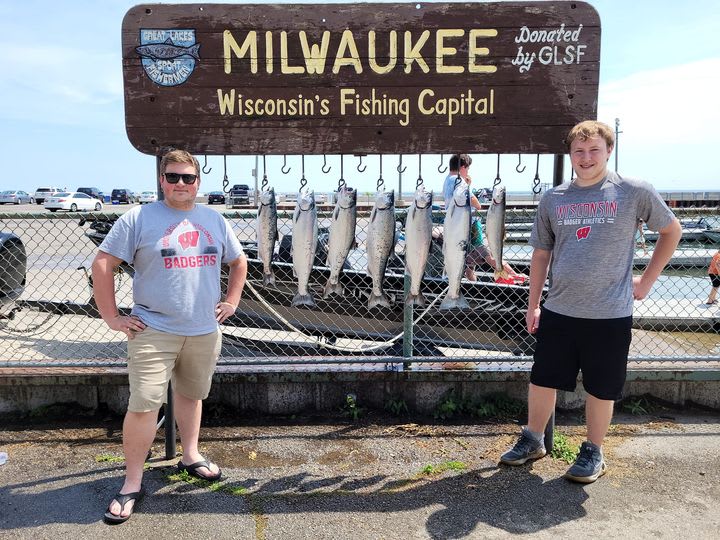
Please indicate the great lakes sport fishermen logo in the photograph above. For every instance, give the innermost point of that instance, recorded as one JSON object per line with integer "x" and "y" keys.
{"x": 168, "y": 56}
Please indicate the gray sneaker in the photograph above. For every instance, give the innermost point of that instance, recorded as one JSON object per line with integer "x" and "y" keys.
{"x": 589, "y": 465}
{"x": 525, "y": 449}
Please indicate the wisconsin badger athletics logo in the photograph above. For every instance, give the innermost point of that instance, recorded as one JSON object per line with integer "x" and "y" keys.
{"x": 582, "y": 233}
{"x": 168, "y": 56}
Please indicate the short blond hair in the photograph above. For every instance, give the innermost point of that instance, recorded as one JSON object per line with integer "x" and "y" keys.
{"x": 179, "y": 156}
{"x": 591, "y": 128}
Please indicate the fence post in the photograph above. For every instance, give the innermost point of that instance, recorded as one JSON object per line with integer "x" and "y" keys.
{"x": 407, "y": 325}
{"x": 170, "y": 447}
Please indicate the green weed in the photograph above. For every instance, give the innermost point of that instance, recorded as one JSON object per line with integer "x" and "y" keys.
{"x": 396, "y": 407}
{"x": 351, "y": 407}
{"x": 637, "y": 406}
{"x": 109, "y": 458}
{"x": 562, "y": 449}
{"x": 442, "y": 467}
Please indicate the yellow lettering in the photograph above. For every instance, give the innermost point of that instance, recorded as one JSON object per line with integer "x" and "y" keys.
{"x": 285, "y": 67}
{"x": 226, "y": 102}
{"x": 392, "y": 53}
{"x": 346, "y": 98}
{"x": 347, "y": 42}
{"x": 230, "y": 45}
{"x": 442, "y": 50}
{"x": 474, "y": 50}
{"x": 421, "y": 101}
{"x": 412, "y": 52}
{"x": 315, "y": 56}
{"x": 268, "y": 52}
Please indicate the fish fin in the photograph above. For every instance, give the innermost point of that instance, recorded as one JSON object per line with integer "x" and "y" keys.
{"x": 454, "y": 303}
{"x": 336, "y": 213}
{"x": 378, "y": 300}
{"x": 269, "y": 279}
{"x": 415, "y": 299}
{"x": 194, "y": 51}
{"x": 303, "y": 300}
{"x": 168, "y": 41}
{"x": 373, "y": 214}
{"x": 333, "y": 288}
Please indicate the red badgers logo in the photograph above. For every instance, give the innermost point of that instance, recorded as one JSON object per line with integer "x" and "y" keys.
{"x": 189, "y": 239}
{"x": 582, "y": 233}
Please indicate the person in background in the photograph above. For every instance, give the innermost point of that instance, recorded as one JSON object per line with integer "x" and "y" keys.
{"x": 176, "y": 248}
{"x": 714, "y": 274}
{"x": 459, "y": 165}
{"x": 586, "y": 320}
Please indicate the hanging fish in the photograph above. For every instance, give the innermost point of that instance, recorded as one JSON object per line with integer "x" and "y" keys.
{"x": 495, "y": 229}
{"x": 418, "y": 235}
{"x": 342, "y": 238}
{"x": 304, "y": 244}
{"x": 380, "y": 245}
{"x": 456, "y": 239}
{"x": 267, "y": 234}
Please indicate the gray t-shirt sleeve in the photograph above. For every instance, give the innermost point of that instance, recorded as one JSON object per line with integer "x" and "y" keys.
{"x": 121, "y": 241}
{"x": 542, "y": 236}
{"x": 233, "y": 248}
{"x": 651, "y": 207}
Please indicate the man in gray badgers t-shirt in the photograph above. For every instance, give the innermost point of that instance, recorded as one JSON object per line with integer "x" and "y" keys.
{"x": 176, "y": 249}
{"x": 585, "y": 231}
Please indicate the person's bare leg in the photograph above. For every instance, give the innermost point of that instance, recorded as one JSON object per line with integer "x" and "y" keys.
{"x": 188, "y": 413}
{"x": 138, "y": 433}
{"x": 541, "y": 404}
{"x": 712, "y": 295}
{"x": 599, "y": 414}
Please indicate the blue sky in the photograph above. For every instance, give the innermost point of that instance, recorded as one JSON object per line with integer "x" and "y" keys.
{"x": 62, "y": 111}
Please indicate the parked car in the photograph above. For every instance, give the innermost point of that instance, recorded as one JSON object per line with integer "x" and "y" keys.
{"x": 72, "y": 201}
{"x": 15, "y": 197}
{"x": 147, "y": 197}
{"x": 216, "y": 197}
{"x": 239, "y": 195}
{"x": 42, "y": 193}
{"x": 120, "y": 196}
{"x": 94, "y": 192}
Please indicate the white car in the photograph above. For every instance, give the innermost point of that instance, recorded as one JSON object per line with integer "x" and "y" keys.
{"x": 15, "y": 197}
{"x": 147, "y": 197}
{"x": 72, "y": 201}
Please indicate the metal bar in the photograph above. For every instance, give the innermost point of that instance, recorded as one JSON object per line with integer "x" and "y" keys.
{"x": 170, "y": 446}
{"x": 408, "y": 316}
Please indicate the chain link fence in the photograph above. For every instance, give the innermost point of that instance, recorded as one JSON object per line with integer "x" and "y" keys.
{"x": 48, "y": 318}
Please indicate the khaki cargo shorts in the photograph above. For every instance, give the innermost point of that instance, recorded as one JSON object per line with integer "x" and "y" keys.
{"x": 156, "y": 357}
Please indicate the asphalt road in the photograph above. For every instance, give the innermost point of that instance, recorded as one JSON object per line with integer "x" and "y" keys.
{"x": 382, "y": 478}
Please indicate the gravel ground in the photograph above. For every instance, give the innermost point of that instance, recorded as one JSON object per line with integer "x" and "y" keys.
{"x": 308, "y": 477}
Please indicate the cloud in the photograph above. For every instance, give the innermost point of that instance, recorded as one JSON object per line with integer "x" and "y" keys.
{"x": 672, "y": 105}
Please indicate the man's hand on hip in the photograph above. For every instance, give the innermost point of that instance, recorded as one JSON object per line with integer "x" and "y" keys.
{"x": 129, "y": 325}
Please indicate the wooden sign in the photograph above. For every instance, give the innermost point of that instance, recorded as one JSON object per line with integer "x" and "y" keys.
{"x": 501, "y": 77}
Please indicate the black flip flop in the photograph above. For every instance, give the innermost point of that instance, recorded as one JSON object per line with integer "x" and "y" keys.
{"x": 192, "y": 470}
{"x": 123, "y": 499}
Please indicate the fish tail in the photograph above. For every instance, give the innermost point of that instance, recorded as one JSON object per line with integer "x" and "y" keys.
{"x": 333, "y": 288}
{"x": 378, "y": 300}
{"x": 303, "y": 300}
{"x": 268, "y": 279}
{"x": 454, "y": 303}
{"x": 415, "y": 299}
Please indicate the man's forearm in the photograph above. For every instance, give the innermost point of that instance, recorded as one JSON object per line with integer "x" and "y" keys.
{"x": 104, "y": 290}
{"x": 236, "y": 281}
{"x": 664, "y": 248}
{"x": 539, "y": 266}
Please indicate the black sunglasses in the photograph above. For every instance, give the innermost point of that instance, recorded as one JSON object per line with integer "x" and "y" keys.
{"x": 174, "y": 178}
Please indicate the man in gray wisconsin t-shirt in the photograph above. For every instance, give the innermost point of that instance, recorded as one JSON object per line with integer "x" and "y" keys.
{"x": 176, "y": 249}
{"x": 584, "y": 232}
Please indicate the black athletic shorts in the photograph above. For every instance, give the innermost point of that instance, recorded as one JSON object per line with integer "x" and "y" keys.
{"x": 715, "y": 280}
{"x": 597, "y": 347}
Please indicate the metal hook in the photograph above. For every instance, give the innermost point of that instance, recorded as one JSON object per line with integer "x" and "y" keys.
{"x": 226, "y": 182}
{"x": 442, "y": 160}
{"x": 341, "y": 181}
{"x": 400, "y": 168}
{"x": 360, "y": 164}
{"x": 206, "y": 167}
{"x": 536, "y": 181}
{"x": 264, "y": 179}
{"x": 497, "y": 178}
{"x": 325, "y": 165}
{"x": 380, "y": 182}
{"x": 518, "y": 169}
{"x": 282, "y": 169}
{"x": 419, "y": 180}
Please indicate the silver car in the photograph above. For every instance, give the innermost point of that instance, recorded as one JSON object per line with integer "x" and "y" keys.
{"x": 15, "y": 197}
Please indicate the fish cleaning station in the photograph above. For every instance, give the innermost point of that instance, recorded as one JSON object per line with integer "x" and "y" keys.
{"x": 340, "y": 300}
